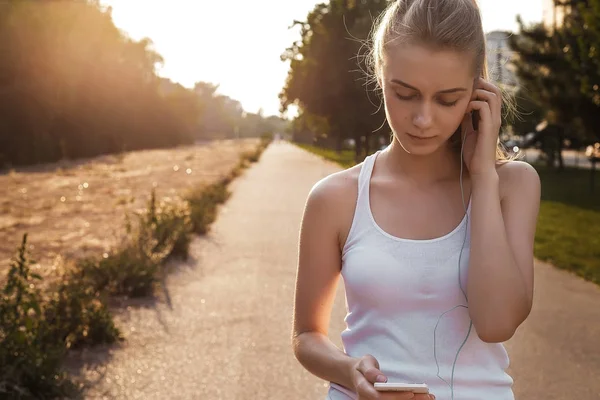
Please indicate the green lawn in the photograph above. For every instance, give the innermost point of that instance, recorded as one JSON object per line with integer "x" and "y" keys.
{"x": 345, "y": 158}
{"x": 568, "y": 231}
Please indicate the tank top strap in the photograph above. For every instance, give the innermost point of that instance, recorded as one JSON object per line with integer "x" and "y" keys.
{"x": 361, "y": 224}
{"x": 364, "y": 177}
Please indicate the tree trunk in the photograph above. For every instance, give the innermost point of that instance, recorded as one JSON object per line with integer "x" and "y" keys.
{"x": 367, "y": 145}
{"x": 592, "y": 175}
{"x": 559, "y": 148}
{"x": 358, "y": 149}
{"x": 550, "y": 161}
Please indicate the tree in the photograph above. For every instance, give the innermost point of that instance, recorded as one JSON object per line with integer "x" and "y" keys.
{"x": 221, "y": 115}
{"x": 73, "y": 85}
{"x": 327, "y": 77}
{"x": 584, "y": 58}
{"x": 530, "y": 114}
{"x": 547, "y": 75}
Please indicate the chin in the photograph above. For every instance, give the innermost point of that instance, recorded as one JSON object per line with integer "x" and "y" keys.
{"x": 419, "y": 148}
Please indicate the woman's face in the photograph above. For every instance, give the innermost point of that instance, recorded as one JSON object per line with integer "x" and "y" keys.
{"x": 426, "y": 94}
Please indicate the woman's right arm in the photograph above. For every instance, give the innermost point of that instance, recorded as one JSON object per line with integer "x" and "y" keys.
{"x": 326, "y": 221}
{"x": 319, "y": 266}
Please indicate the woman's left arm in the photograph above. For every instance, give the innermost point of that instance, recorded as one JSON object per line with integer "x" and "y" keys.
{"x": 505, "y": 203}
{"x": 504, "y": 211}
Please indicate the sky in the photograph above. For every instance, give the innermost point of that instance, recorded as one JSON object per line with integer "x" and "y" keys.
{"x": 221, "y": 42}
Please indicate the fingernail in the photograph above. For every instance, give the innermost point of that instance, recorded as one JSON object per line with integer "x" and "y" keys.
{"x": 380, "y": 378}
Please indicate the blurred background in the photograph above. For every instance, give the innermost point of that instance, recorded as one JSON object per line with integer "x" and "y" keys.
{"x": 123, "y": 124}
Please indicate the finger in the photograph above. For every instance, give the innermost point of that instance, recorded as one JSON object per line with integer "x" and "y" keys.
{"x": 374, "y": 375}
{"x": 490, "y": 97}
{"x": 482, "y": 83}
{"x": 467, "y": 124}
{"x": 494, "y": 102}
{"x": 485, "y": 114}
{"x": 369, "y": 359}
{"x": 369, "y": 367}
{"x": 424, "y": 397}
{"x": 398, "y": 396}
{"x": 365, "y": 390}
{"x": 490, "y": 87}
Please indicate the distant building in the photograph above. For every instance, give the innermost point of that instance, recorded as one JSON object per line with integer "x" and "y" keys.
{"x": 499, "y": 55}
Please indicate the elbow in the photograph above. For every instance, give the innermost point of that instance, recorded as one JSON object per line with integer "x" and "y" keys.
{"x": 496, "y": 335}
{"x": 297, "y": 343}
{"x": 491, "y": 332}
{"x": 499, "y": 329}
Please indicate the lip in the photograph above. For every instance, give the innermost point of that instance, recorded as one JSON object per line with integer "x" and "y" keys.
{"x": 420, "y": 137}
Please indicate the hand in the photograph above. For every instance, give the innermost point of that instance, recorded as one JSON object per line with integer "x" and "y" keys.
{"x": 480, "y": 146}
{"x": 364, "y": 375}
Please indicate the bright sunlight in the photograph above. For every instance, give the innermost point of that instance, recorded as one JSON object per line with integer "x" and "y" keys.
{"x": 237, "y": 43}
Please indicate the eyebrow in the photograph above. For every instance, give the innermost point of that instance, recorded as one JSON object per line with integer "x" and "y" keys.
{"x": 454, "y": 90}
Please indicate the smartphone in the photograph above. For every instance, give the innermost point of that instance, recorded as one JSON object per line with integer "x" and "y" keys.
{"x": 401, "y": 387}
{"x": 475, "y": 119}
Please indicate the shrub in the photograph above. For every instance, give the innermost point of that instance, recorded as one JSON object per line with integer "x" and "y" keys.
{"x": 204, "y": 204}
{"x": 30, "y": 360}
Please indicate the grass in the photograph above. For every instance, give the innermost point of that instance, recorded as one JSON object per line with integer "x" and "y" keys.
{"x": 204, "y": 205}
{"x": 37, "y": 329}
{"x": 568, "y": 230}
{"x": 345, "y": 158}
{"x": 569, "y": 238}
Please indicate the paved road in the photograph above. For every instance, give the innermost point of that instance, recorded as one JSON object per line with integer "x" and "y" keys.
{"x": 226, "y": 333}
{"x": 571, "y": 158}
{"x": 556, "y": 353}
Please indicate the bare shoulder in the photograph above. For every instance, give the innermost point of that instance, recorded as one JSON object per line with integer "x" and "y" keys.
{"x": 332, "y": 188}
{"x": 333, "y": 199}
{"x": 518, "y": 176}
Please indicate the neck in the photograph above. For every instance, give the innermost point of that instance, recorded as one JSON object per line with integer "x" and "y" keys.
{"x": 442, "y": 165}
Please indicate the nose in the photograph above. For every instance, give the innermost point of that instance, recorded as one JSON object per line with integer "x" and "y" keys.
{"x": 423, "y": 117}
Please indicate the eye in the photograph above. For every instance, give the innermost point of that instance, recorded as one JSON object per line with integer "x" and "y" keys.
{"x": 446, "y": 104}
{"x": 398, "y": 95}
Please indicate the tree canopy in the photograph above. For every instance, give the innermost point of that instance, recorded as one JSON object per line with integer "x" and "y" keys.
{"x": 328, "y": 78}
{"x": 73, "y": 85}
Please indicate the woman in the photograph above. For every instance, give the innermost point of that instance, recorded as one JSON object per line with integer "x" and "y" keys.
{"x": 433, "y": 235}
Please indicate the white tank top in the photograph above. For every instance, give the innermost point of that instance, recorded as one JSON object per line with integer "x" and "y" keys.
{"x": 396, "y": 290}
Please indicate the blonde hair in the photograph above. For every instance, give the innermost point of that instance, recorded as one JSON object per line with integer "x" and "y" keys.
{"x": 438, "y": 24}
